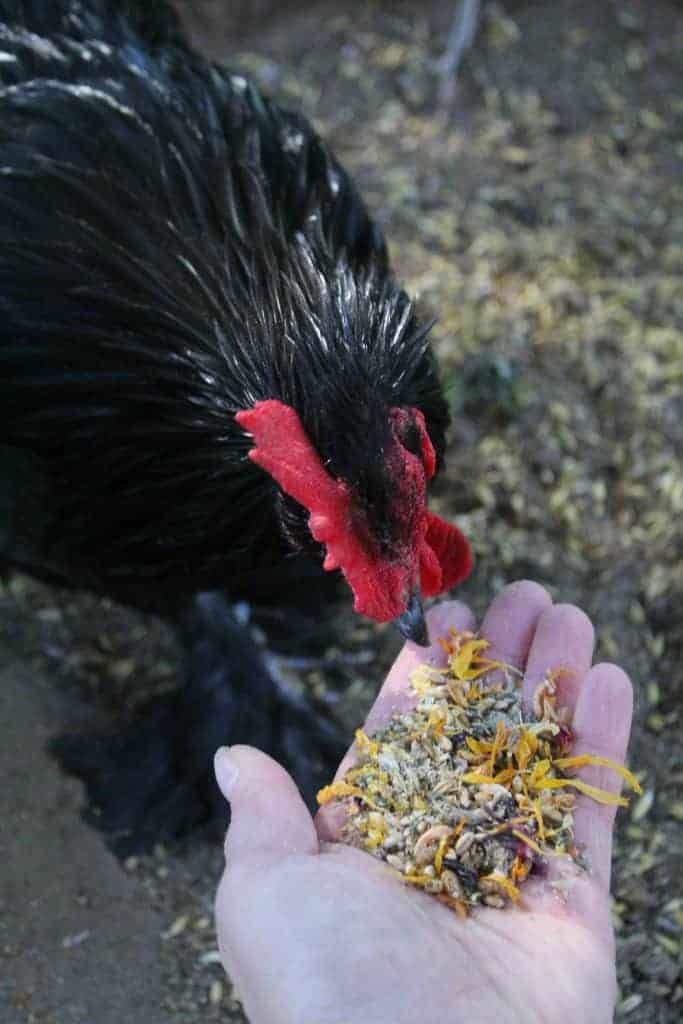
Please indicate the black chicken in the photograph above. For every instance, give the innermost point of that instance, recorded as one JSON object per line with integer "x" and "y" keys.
{"x": 209, "y": 380}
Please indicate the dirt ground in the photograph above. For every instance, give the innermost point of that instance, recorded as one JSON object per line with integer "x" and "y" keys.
{"x": 541, "y": 220}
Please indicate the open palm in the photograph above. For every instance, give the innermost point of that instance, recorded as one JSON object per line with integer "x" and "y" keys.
{"x": 314, "y": 932}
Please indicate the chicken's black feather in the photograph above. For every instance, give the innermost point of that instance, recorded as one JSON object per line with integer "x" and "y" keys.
{"x": 177, "y": 247}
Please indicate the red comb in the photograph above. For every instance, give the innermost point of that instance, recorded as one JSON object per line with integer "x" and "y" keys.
{"x": 283, "y": 450}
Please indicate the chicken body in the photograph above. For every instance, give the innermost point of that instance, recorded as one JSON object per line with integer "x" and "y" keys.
{"x": 179, "y": 252}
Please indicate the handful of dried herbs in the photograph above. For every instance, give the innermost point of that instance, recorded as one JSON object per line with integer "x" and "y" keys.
{"x": 461, "y": 796}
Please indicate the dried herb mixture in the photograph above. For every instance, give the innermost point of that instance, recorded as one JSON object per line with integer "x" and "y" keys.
{"x": 462, "y": 796}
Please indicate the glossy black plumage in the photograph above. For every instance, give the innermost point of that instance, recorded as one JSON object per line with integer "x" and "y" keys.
{"x": 175, "y": 248}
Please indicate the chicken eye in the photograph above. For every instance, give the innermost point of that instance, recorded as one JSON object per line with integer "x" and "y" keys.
{"x": 411, "y": 439}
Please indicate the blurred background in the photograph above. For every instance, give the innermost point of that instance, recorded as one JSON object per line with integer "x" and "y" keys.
{"x": 524, "y": 160}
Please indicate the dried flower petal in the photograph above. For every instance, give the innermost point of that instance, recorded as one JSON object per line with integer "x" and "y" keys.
{"x": 602, "y": 796}
{"x": 583, "y": 759}
{"x": 499, "y": 881}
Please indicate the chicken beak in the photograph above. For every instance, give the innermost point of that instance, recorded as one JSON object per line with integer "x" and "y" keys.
{"x": 411, "y": 623}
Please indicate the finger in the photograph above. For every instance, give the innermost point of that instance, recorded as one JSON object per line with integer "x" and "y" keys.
{"x": 268, "y": 818}
{"x": 510, "y": 622}
{"x": 563, "y": 640}
{"x": 396, "y": 695}
{"x": 602, "y": 725}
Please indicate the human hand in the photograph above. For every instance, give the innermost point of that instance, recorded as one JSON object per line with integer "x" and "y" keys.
{"x": 315, "y": 932}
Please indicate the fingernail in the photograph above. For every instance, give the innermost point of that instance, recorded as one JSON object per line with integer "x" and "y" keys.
{"x": 226, "y": 771}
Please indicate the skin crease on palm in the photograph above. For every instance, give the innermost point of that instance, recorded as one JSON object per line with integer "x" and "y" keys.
{"x": 314, "y": 932}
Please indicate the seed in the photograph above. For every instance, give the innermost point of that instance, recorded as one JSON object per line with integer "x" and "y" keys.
{"x": 427, "y": 844}
{"x": 451, "y": 883}
{"x": 434, "y": 886}
{"x": 391, "y": 841}
{"x": 216, "y": 993}
{"x": 491, "y": 900}
{"x": 446, "y": 786}
{"x": 464, "y": 842}
{"x": 477, "y": 816}
{"x": 553, "y": 815}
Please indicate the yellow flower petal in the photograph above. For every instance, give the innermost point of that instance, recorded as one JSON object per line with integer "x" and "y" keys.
{"x": 499, "y": 741}
{"x": 478, "y": 746}
{"x": 536, "y": 805}
{"x": 477, "y": 779}
{"x": 602, "y": 796}
{"x": 503, "y": 883}
{"x": 436, "y": 720}
{"x": 461, "y": 661}
{"x": 364, "y": 745}
{"x": 539, "y": 771}
{"x": 340, "y": 790}
{"x": 584, "y": 759}
{"x": 438, "y": 856}
{"x": 531, "y": 843}
{"x": 525, "y": 749}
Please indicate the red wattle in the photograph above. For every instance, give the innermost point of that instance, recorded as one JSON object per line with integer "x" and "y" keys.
{"x": 452, "y": 552}
{"x": 431, "y": 576}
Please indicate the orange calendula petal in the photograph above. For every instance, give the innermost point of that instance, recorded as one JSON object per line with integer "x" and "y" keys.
{"x": 536, "y": 805}
{"x": 461, "y": 662}
{"x": 438, "y": 856}
{"x": 539, "y": 771}
{"x": 436, "y": 720}
{"x": 417, "y": 879}
{"x": 531, "y": 843}
{"x": 502, "y": 883}
{"x": 525, "y": 749}
{"x": 478, "y": 746}
{"x": 499, "y": 742}
{"x": 364, "y": 745}
{"x": 477, "y": 779}
{"x": 581, "y": 760}
{"x": 335, "y": 791}
{"x": 520, "y": 869}
{"x": 602, "y": 796}
{"x": 340, "y": 790}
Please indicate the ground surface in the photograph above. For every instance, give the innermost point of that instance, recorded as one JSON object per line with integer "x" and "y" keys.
{"x": 542, "y": 220}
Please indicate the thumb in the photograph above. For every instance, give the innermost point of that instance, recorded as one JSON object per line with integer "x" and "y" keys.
{"x": 269, "y": 819}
